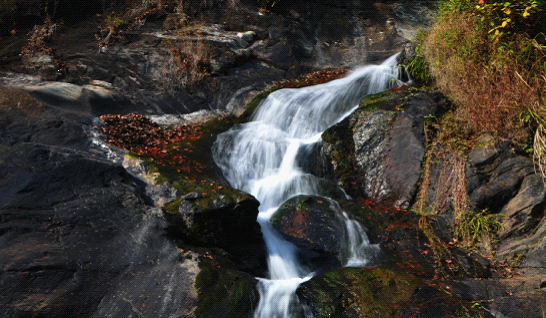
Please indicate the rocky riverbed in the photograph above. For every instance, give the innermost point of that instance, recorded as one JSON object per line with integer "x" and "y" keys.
{"x": 86, "y": 230}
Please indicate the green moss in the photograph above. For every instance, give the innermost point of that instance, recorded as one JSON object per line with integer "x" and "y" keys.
{"x": 251, "y": 107}
{"x": 373, "y": 101}
{"x": 172, "y": 207}
{"x": 224, "y": 292}
{"x": 369, "y": 292}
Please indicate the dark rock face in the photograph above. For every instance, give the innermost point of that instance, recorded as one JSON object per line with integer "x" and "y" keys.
{"x": 377, "y": 152}
{"x": 378, "y": 292}
{"x": 245, "y": 51}
{"x": 226, "y": 293}
{"x": 526, "y": 209}
{"x": 312, "y": 224}
{"x": 495, "y": 174}
{"x": 504, "y": 182}
{"x": 219, "y": 219}
{"x": 76, "y": 236}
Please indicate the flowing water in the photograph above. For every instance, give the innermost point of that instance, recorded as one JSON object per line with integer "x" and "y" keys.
{"x": 259, "y": 157}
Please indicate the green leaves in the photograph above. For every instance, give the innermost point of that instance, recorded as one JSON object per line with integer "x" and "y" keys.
{"x": 507, "y": 16}
{"x": 474, "y": 225}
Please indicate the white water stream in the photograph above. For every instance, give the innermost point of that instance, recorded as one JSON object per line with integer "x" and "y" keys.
{"x": 260, "y": 158}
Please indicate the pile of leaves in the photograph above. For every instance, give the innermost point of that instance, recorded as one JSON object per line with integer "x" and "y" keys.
{"x": 318, "y": 77}
{"x": 137, "y": 134}
{"x": 39, "y": 36}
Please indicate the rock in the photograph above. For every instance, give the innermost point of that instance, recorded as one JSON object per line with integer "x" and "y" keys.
{"x": 92, "y": 245}
{"x": 157, "y": 194}
{"x": 56, "y": 93}
{"x": 485, "y": 152}
{"x": 407, "y": 53}
{"x": 244, "y": 39}
{"x": 377, "y": 152}
{"x": 43, "y": 65}
{"x": 317, "y": 230}
{"x": 312, "y": 159}
{"x": 535, "y": 256}
{"x": 526, "y": 209}
{"x": 528, "y": 248}
{"x": 378, "y": 292}
{"x": 225, "y": 292}
{"x": 98, "y": 98}
{"x": 220, "y": 218}
{"x": 502, "y": 183}
{"x": 515, "y": 297}
{"x": 352, "y": 292}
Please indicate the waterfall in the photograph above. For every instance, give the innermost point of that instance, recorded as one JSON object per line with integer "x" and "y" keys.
{"x": 259, "y": 157}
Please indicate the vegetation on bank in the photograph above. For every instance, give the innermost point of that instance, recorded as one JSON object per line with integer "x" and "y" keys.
{"x": 489, "y": 57}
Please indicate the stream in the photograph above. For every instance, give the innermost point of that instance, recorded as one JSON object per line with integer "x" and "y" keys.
{"x": 259, "y": 157}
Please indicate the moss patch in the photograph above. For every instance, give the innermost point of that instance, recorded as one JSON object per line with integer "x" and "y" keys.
{"x": 224, "y": 292}
{"x": 355, "y": 292}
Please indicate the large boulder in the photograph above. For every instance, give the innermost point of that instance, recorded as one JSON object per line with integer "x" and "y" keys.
{"x": 77, "y": 237}
{"x": 377, "y": 151}
{"x": 325, "y": 234}
{"x": 215, "y": 215}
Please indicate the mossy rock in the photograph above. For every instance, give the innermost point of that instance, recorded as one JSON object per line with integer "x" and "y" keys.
{"x": 225, "y": 292}
{"x": 380, "y": 292}
{"x": 376, "y": 100}
{"x": 357, "y": 292}
{"x": 212, "y": 214}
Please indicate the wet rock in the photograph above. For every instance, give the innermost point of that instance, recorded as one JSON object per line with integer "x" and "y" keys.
{"x": 43, "y": 65}
{"x": 352, "y": 292}
{"x": 225, "y": 292}
{"x": 92, "y": 246}
{"x": 312, "y": 159}
{"x": 97, "y": 98}
{"x": 218, "y": 218}
{"x": 377, "y": 151}
{"x": 312, "y": 224}
{"x": 377, "y": 292}
{"x": 157, "y": 194}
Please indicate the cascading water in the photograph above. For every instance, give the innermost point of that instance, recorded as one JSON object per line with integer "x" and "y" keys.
{"x": 260, "y": 158}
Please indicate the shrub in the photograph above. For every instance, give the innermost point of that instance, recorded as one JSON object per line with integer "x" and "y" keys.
{"x": 188, "y": 62}
{"x": 491, "y": 81}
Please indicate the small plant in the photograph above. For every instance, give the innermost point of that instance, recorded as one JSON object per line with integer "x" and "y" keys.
{"x": 472, "y": 226}
{"x": 188, "y": 62}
